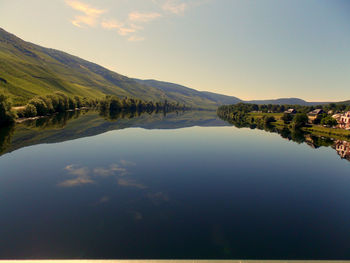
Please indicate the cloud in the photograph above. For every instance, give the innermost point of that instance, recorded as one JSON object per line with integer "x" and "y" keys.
{"x": 135, "y": 39}
{"x": 91, "y": 14}
{"x": 143, "y": 17}
{"x": 131, "y": 26}
{"x": 175, "y": 7}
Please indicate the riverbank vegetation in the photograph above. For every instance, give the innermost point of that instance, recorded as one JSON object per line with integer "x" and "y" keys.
{"x": 274, "y": 116}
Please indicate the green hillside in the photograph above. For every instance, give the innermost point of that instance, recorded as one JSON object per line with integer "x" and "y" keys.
{"x": 27, "y": 70}
{"x": 182, "y": 94}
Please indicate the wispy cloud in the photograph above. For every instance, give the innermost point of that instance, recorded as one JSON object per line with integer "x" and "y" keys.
{"x": 90, "y": 14}
{"x": 133, "y": 24}
{"x": 175, "y": 7}
{"x": 121, "y": 28}
{"x": 135, "y": 38}
{"x": 143, "y": 17}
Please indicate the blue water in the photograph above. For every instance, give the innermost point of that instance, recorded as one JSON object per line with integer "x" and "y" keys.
{"x": 194, "y": 192}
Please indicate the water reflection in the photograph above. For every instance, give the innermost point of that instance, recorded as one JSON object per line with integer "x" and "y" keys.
{"x": 343, "y": 149}
{"x": 164, "y": 192}
{"x": 78, "y": 124}
{"x": 299, "y": 136}
{"x": 83, "y": 175}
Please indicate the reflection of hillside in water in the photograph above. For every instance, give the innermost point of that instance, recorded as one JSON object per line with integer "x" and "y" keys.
{"x": 74, "y": 125}
{"x": 296, "y": 135}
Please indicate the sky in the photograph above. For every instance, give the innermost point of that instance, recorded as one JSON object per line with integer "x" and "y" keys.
{"x": 251, "y": 49}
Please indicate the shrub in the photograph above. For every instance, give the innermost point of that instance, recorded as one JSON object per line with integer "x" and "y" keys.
{"x": 40, "y": 105}
{"x": 300, "y": 120}
{"x": 30, "y": 111}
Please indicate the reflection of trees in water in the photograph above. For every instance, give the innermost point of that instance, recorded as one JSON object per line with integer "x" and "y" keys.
{"x": 128, "y": 114}
{"x": 6, "y": 134}
{"x": 298, "y": 136}
{"x": 54, "y": 121}
{"x": 41, "y": 127}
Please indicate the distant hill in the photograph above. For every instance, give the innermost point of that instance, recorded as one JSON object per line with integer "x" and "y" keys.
{"x": 289, "y": 101}
{"x": 181, "y": 93}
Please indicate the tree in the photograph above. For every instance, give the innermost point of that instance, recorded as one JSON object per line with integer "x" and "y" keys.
{"x": 40, "y": 105}
{"x": 286, "y": 118}
{"x": 269, "y": 119}
{"x": 30, "y": 111}
{"x": 6, "y": 114}
{"x": 329, "y": 121}
{"x": 300, "y": 120}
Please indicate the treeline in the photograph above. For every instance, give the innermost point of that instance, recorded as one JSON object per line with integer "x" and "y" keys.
{"x": 59, "y": 102}
{"x": 114, "y": 104}
{"x": 54, "y": 103}
{"x": 265, "y": 108}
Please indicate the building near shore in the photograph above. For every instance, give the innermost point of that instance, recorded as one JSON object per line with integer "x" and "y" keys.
{"x": 344, "y": 121}
{"x": 291, "y": 111}
{"x": 312, "y": 115}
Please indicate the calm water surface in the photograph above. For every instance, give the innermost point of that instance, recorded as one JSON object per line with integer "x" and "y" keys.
{"x": 176, "y": 186}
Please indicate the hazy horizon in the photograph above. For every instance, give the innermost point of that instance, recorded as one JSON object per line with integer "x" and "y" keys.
{"x": 247, "y": 49}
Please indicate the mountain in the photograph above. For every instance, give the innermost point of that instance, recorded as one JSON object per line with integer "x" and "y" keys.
{"x": 181, "y": 93}
{"x": 28, "y": 70}
{"x": 288, "y": 101}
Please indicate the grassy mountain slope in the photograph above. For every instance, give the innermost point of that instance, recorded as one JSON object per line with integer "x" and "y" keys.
{"x": 182, "y": 93}
{"x": 27, "y": 70}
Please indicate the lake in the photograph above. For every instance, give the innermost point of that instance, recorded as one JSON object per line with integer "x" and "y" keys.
{"x": 173, "y": 186}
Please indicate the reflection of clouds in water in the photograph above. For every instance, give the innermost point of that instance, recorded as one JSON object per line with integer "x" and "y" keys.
{"x": 130, "y": 183}
{"x": 127, "y": 163}
{"x": 76, "y": 170}
{"x": 114, "y": 169}
{"x": 136, "y": 215}
{"x": 158, "y": 198}
{"x": 81, "y": 174}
